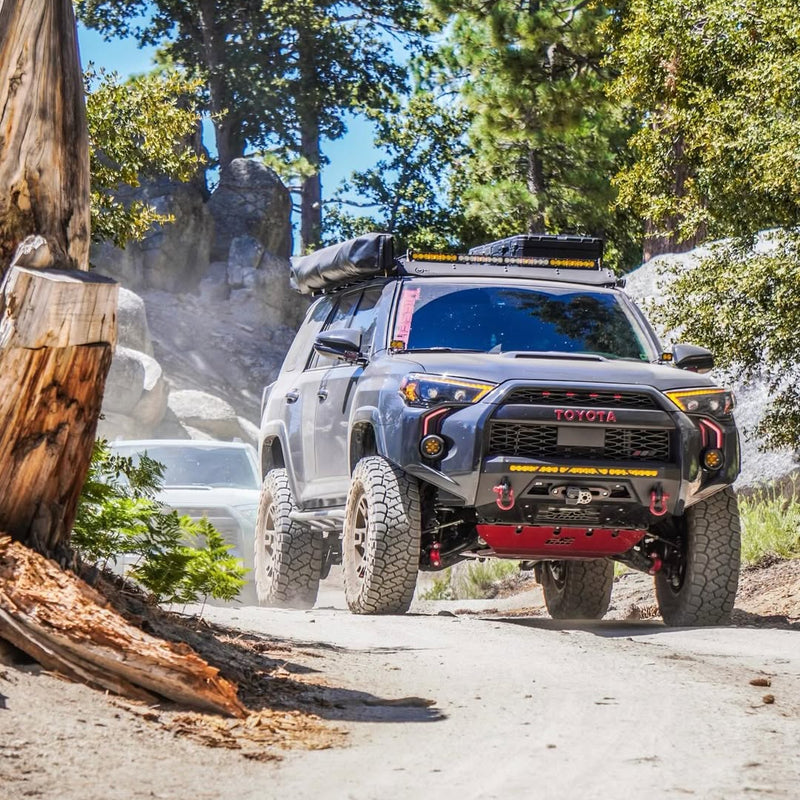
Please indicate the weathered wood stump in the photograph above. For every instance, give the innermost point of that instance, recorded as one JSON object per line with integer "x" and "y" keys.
{"x": 57, "y": 330}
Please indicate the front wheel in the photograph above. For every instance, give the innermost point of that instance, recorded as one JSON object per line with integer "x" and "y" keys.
{"x": 577, "y": 589}
{"x": 287, "y": 555}
{"x": 698, "y": 586}
{"x": 381, "y": 541}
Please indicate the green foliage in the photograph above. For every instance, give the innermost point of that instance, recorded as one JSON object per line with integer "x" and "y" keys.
{"x": 441, "y": 588}
{"x": 118, "y": 516}
{"x": 770, "y": 525}
{"x": 278, "y": 75}
{"x": 742, "y": 302}
{"x": 545, "y": 139}
{"x": 407, "y": 190}
{"x": 138, "y": 129}
{"x": 478, "y": 581}
{"x": 714, "y": 83}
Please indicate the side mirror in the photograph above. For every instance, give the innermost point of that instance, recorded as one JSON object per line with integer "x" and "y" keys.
{"x": 692, "y": 358}
{"x": 344, "y": 344}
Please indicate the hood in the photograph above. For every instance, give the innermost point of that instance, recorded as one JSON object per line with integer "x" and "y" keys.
{"x": 207, "y": 496}
{"x": 500, "y": 367}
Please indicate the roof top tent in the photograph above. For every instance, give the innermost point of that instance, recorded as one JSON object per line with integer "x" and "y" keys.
{"x": 563, "y": 258}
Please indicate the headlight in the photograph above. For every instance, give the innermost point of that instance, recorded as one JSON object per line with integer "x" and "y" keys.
{"x": 713, "y": 402}
{"x": 430, "y": 390}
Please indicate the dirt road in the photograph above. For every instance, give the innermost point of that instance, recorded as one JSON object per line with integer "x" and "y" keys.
{"x": 523, "y": 708}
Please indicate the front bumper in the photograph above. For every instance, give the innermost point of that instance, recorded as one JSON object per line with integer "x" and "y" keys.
{"x": 625, "y": 492}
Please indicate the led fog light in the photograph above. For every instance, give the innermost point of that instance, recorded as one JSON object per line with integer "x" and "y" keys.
{"x": 431, "y": 446}
{"x": 713, "y": 458}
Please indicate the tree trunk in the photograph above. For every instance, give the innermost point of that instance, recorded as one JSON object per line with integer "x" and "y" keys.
{"x": 56, "y": 335}
{"x": 535, "y": 180}
{"x": 44, "y": 142}
{"x": 227, "y": 129}
{"x": 311, "y": 191}
{"x": 664, "y": 238}
{"x": 58, "y": 325}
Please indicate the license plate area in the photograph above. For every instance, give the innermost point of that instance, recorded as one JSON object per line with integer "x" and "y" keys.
{"x": 581, "y": 437}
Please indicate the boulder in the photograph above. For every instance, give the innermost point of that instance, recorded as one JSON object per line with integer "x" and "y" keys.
{"x": 152, "y": 405}
{"x": 250, "y": 200}
{"x": 205, "y": 412}
{"x": 250, "y": 432}
{"x": 243, "y": 261}
{"x": 125, "y": 382}
{"x": 214, "y": 287}
{"x": 287, "y": 307}
{"x": 173, "y": 256}
{"x": 132, "y": 329}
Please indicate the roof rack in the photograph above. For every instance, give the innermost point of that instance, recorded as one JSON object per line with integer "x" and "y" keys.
{"x": 550, "y": 257}
{"x": 563, "y": 258}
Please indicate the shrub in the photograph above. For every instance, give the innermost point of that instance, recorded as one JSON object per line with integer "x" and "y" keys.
{"x": 175, "y": 558}
{"x": 770, "y": 525}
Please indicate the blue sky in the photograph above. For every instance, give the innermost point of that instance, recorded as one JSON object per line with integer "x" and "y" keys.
{"x": 353, "y": 152}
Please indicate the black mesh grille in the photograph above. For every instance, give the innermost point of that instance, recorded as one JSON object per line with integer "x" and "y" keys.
{"x": 586, "y": 398}
{"x": 541, "y": 442}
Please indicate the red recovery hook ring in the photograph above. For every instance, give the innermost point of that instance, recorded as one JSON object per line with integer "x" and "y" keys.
{"x": 505, "y": 495}
{"x": 658, "y": 502}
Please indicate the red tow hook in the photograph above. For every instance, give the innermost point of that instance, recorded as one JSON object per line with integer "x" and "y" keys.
{"x": 656, "y": 564}
{"x": 505, "y": 495}
{"x": 658, "y": 502}
{"x": 434, "y": 556}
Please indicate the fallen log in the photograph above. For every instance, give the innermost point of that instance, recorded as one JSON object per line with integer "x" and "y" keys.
{"x": 68, "y": 627}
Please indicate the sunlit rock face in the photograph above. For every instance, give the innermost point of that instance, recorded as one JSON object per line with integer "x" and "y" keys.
{"x": 206, "y": 307}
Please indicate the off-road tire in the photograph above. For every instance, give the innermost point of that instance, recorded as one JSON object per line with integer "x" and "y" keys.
{"x": 381, "y": 539}
{"x": 577, "y": 589}
{"x": 711, "y": 537}
{"x": 287, "y": 559}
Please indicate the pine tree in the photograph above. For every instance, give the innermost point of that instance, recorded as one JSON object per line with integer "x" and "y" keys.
{"x": 545, "y": 138}
{"x": 280, "y": 75}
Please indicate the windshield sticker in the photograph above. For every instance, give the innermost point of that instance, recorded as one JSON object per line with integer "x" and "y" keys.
{"x": 404, "y": 314}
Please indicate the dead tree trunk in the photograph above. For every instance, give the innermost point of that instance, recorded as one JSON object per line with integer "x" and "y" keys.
{"x": 44, "y": 141}
{"x": 57, "y": 330}
{"x": 58, "y": 323}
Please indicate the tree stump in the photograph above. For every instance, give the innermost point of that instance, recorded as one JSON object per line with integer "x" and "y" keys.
{"x": 56, "y": 335}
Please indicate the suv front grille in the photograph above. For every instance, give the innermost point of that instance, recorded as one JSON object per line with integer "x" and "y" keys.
{"x": 517, "y": 440}
{"x": 585, "y": 398}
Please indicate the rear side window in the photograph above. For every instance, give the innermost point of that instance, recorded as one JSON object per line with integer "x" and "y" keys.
{"x": 342, "y": 314}
{"x": 303, "y": 342}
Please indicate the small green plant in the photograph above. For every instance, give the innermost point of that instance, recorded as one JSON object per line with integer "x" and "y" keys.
{"x": 478, "y": 581}
{"x": 175, "y": 558}
{"x": 770, "y": 525}
{"x": 441, "y": 588}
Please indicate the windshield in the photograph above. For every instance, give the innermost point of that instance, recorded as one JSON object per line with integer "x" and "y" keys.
{"x": 200, "y": 466}
{"x": 517, "y": 318}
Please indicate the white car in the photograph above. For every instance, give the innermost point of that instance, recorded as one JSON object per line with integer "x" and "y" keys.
{"x": 212, "y": 479}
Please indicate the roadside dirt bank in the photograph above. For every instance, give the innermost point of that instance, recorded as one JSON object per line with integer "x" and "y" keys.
{"x": 496, "y": 703}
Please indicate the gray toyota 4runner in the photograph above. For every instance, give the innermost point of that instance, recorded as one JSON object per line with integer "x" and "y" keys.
{"x": 511, "y": 402}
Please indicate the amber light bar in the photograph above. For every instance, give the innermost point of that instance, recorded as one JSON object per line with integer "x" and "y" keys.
{"x": 506, "y": 261}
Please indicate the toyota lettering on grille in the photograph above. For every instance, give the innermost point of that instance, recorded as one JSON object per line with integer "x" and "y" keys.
{"x": 582, "y": 415}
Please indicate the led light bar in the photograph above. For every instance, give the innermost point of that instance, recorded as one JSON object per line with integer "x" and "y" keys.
{"x": 506, "y": 261}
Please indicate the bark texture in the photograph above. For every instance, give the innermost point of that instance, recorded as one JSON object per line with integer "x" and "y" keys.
{"x": 56, "y": 334}
{"x": 44, "y": 144}
{"x": 93, "y": 643}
